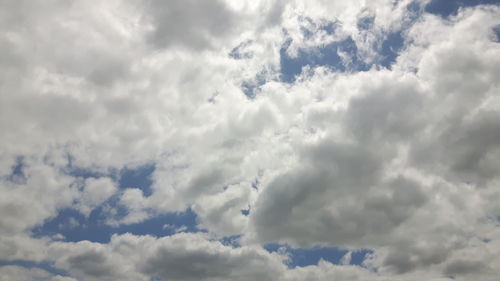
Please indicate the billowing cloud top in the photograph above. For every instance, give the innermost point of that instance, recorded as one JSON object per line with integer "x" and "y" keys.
{"x": 249, "y": 140}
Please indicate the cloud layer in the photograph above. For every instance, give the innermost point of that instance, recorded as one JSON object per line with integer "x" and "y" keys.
{"x": 335, "y": 124}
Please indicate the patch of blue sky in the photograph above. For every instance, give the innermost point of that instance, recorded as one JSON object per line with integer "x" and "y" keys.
{"x": 47, "y": 266}
{"x": 414, "y": 11}
{"x": 245, "y": 212}
{"x": 329, "y": 27}
{"x": 496, "y": 33}
{"x": 87, "y": 173}
{"x": 338, "y": 56}
{"x": 311, "y": 256}
{"x": 445, "y": 8}
{"x": 76, "y": 227}
{"x": 139, "y": 177}
{"x": 251, "y": 87}
{"x": 391, "y": 48}
{"x": 80, "y": 172}
{"x": 359, "y": 256}
{"x": 17, "y": 172}
{"x": 233, "y": 240}
{"x": 366, "y": 22}
{"x": 331, "y": 55}
{"x": 342, "y": 56}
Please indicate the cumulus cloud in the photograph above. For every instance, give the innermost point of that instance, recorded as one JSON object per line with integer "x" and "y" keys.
{"x": 385, "y": 139}
{"x": 95, "y": 192}
{"x": 17, "y": 273}
{"x": 181, "y": 256}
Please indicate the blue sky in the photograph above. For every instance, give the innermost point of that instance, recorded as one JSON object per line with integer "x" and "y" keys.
{"x": 250, "y": 140}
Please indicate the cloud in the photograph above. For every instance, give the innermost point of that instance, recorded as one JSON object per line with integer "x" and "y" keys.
{"x": 17, "y": 273}
{"x": 395, "y": 152}
{"x": 27, "y": 204}
{"x": 95, "y": 192}
{"x": 189, "y": 23}
{"x": 181, "y": 256}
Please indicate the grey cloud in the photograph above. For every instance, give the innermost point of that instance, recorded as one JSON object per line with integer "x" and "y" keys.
{"x": 461, "y": 267}
{"x": 335, "y": 197}
{"x": 467, "y": 150}
{"x": 186, "y": 257}
{"x": 208, "y": 180}
{"x": 18, "y": 273}
{"x": 477, "y": 146}
{"x": 66, "y": 113}
{"x": 179, "y": 257}
{"x": 91, "y": 263}
{"x": 189, "y": 23}
{"x": 21, "y": 247}
{"x": 408, "y": 257}
{"x": 388, "y": 111}
{"x": 106, "y": 69}
{"x": 350, "y": 164}
{"x": 203, "y": 265}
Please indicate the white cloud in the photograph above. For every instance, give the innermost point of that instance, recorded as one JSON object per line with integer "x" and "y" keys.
{"x": 26, "y": 204}
{"x": 221, "y": 213}
{"x": 402, "y": 161}
{"x": 95, "y": 192}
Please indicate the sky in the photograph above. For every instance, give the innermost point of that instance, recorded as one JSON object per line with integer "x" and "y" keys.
{"x": 285, "y": 140}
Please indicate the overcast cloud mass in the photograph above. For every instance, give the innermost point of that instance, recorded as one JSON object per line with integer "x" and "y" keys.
{"x": 285, "y": 140}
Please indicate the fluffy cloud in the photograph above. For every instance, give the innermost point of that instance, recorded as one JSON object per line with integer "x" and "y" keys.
{"x": 399, "y": 154}
{"x": 95, "y": 192}
{"x": 179, "y": 257}
{"x": 33, "y": 196}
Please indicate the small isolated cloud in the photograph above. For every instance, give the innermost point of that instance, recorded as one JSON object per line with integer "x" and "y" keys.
{"x": 174, "y": 228}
